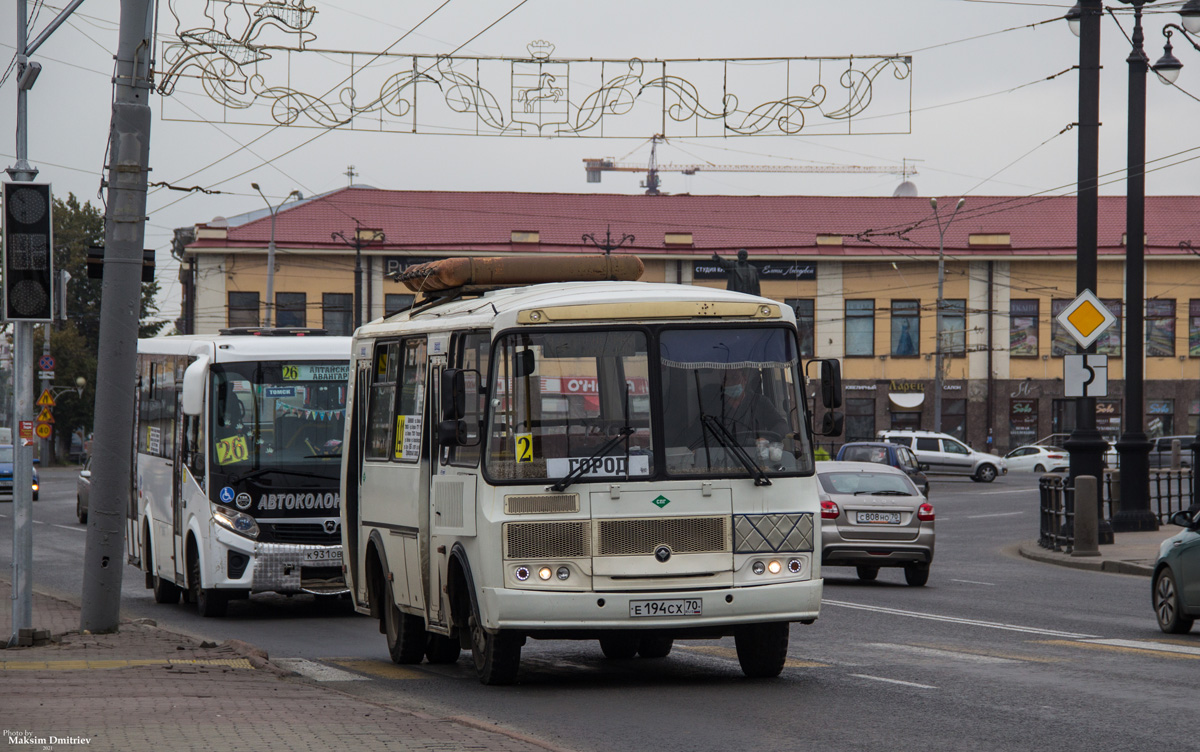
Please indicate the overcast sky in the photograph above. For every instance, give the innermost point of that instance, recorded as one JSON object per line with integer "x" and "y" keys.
{"x": 985, "y": 119}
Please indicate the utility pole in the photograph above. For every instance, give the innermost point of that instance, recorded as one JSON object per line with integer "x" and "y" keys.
{"x": 361, "y": 235}
{"x": 939, "y": 347}
{"x": 116, "y": 370}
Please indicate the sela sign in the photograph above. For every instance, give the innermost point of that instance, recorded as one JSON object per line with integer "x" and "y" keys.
{"x": 797, "y": 270}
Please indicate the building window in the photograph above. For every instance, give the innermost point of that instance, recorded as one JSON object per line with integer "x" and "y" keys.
{"x": 243, "y": 309}
{"x": 1194, "y": 328}
{"x": 906, "y": 328}
{"x": 290, "y": 309}
{"x": 907, "y": 420}
{"x": 953, "y": 327}
{"x": 954, "y": 418}
{"x": 860, "y": 419}
{"x": 336, "y": 318}
{"x": 1109, "y": 343}
{"x": 805, "y": 323}
{"x": 1160, "y": 418}
{"x": 395, "y": 302}
{"x": 1023, "y": 328}
{"x": 860, "y": 327}
{"x": 1160, "y": 328}
{"x": 1193, "y": 416}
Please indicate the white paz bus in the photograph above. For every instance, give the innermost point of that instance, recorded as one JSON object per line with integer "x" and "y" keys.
{"x": 238, "y": 450}
{"x": 609, "y": 460}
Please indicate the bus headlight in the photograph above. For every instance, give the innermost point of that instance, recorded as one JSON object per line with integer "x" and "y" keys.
{"x": 242, "y": 524}
{"x": 563, "y": 573}
{"x": 758, "y": 567}
{"x": 522, "y": 573}
{"x": 774, "y": 567}
{"x": 544, "y": 573}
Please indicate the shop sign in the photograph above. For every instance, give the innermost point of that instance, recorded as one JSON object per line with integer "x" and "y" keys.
{"x": 906, "y": 386}
{"x": 793, "y": 270}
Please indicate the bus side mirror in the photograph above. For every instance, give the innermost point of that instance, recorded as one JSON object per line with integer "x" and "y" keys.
{"x": 194, "y": 379}
{"x": 524, "y": 363}
{"x": 454, "y": 394}
{"x": 458, "y": 386}
{"x": 832, "y": 424}
{"x": 831, "y": 384}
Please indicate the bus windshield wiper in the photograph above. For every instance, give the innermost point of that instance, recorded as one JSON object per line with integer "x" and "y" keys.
{"x": 623, "y": 433}
{"x": 722, "y": 435}
{"x": 264, "y": 470}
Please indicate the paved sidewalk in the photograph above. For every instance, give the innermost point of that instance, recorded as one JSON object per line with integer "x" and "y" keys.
{"x": 1130, "y": 553}
{"x": 145, "y": 689}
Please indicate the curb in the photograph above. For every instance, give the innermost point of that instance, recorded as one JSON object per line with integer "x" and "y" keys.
{"x": 1035, "y": 552}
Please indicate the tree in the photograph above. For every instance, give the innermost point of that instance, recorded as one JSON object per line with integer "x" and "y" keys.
{"x": 74, "y": 343}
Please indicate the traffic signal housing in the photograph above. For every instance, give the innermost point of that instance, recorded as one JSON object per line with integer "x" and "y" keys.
{"x": 28, "y": 252}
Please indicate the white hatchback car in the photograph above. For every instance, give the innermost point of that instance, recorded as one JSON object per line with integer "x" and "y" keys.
{"x": 946, "y": 455}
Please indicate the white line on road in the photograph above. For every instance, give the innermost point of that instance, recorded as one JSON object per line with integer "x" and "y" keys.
{"x": 317, "y": 671}
{"x": 960, "y": 620}
{"x": 1163, "y": 647}
{"x": 894, "y": 681}
{"x": 974, "y": 582}
{"x": 999, "y": 493}
{"x": 69, "y": 527}
{"x": 936, "y": 653}
{"x": 997, "y": 514}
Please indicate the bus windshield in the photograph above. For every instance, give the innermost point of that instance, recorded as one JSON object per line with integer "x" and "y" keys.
{"x": 278, "y": 415}
{"x": 580, "y": 404}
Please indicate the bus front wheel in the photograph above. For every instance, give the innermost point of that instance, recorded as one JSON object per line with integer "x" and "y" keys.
{"x": 405, "y": 632}
{"x": 497, "y": 655}
{"x": 762, "y": 649}
{"x": 209, "y": 601}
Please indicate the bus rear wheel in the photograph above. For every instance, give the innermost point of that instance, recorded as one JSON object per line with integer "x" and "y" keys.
{"x": 497, "y": 655}
{"x": 762, "y": 649}
{"x": 405, "y": 632}
{"x": 164, "y": 590}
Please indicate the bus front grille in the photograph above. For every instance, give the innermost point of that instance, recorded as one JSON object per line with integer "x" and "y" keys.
{"x": 303, "y": 533}
{"x": 683, "y": 535}
{"x": 547, "y": 540}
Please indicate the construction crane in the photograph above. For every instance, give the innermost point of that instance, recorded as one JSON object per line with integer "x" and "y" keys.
{"x": 596, "y": 167}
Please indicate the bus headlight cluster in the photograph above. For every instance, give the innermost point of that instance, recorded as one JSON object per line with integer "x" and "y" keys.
{"x": 775, "y": 566}
{"x": 544, "y": 573}
{"x": 230, "y": 519}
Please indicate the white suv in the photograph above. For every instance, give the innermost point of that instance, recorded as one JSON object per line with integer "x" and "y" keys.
{"x": 947, "y": 455}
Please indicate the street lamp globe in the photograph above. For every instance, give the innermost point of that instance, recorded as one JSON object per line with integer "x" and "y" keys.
{"x": 80, "y": 382}
{"x": 1190, "y": 13}
{"x": 1168, "y": 66}
{"x": 1074, "y": 18}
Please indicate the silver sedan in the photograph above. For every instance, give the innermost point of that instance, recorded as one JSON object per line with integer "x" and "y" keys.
{"x": 873, "y": 516}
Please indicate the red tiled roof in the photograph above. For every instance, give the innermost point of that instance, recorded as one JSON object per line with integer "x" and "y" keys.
{"x": 783, "y": 225}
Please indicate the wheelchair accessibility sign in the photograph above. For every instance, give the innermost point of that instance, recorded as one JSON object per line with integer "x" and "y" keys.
{"x": 227, "y": 495}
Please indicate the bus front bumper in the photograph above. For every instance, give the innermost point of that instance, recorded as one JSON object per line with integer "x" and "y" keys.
{"x": 533, "y": 611}
{"x": 277, "y": 567}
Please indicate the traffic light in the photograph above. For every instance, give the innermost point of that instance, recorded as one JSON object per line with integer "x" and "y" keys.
{"x": 28, "y": 252}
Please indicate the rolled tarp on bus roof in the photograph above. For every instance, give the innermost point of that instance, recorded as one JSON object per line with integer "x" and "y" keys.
{"x": 452, "y": 273}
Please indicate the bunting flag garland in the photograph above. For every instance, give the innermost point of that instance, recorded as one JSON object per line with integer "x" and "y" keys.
{"x": 300, "y": 412}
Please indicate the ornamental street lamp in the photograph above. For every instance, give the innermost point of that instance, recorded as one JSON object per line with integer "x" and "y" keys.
{"x": 938, "y": 325}
{"x": 271, "y": 249}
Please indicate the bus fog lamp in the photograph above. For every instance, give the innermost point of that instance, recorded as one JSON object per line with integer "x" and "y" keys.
{"x": 522, "y": 573}
{"x": 758, "y": 567}
{"x": 794, "y": 566}
{"x": 774, "y": 567}
{"x": 545, "y": 573}
{"x": 563, "y": 573}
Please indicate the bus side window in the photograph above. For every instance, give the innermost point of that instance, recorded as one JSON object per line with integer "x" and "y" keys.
{"x": 193, "y": 446}
{"x": 381, "y": 401}
{"x": 410, "y": 403}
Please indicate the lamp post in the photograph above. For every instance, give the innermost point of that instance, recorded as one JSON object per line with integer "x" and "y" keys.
{"x": 1133, "y": 447}
{"x": 361, "y": 236}
{"x": 1085, "y": 444}
{"x": 937, "y": 376}
{"x": 1168, "y": 69}
{"x": 271, "y": 249}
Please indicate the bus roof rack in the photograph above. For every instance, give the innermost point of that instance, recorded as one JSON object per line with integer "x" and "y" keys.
{"x": 274, "y": 331}
{"x": 449, "y": 279}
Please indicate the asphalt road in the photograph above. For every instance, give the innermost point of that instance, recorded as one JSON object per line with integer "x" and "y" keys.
{"x": 996, "y": 652}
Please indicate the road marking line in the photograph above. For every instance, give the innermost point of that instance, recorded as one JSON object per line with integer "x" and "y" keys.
{"x": 894, "y": 681}
{"x": 960, "y": 620}
{"x": 86, "y": 665}
{"x": 940, "y": 653}
{"x": 1151, "y": 646}
{"x": 975, "y": 582}
{"x": 317, "y": 671}
{"x": 731, "y": 654}
{"x": 68, "y": 527}
{"x": 1119, "y": 649}
{"x": 995, "y": 653}
{"x": 998, "y": 514}
{"x": 999, "y": 493}
{"x": 380, "y": 668}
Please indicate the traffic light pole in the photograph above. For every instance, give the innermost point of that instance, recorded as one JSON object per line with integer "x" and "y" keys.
{"x": 116, "y": 368}
{"x": 22, "y": 550}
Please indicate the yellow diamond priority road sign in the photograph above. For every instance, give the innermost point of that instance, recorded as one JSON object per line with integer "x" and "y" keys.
{"x": 1086, "y": 318}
